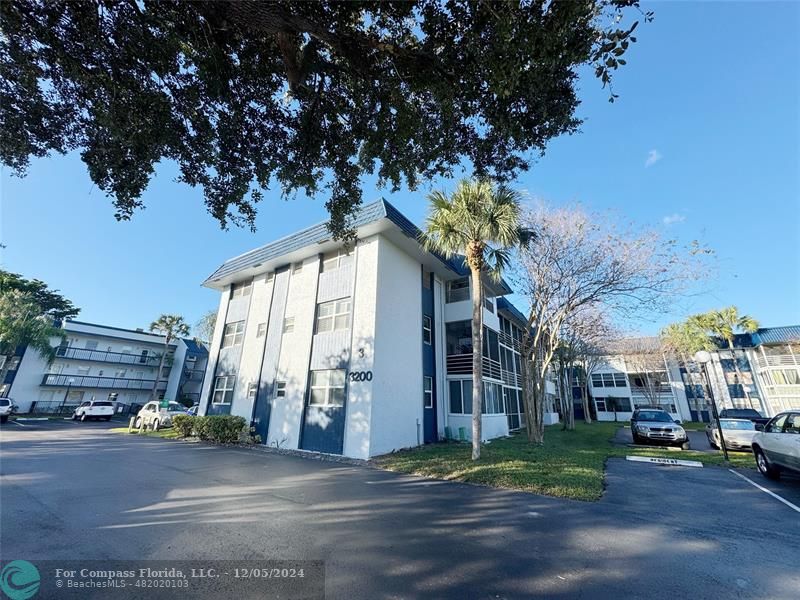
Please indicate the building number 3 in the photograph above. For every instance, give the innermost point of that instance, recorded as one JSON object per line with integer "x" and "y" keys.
{"x": 361, "y": 376}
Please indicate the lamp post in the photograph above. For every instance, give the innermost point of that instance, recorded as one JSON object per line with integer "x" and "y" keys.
{"x": 703, "y": 357}
{"x": 70, "y": 381}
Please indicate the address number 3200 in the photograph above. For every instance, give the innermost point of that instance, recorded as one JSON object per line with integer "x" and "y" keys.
{"x": 361, "y": 376}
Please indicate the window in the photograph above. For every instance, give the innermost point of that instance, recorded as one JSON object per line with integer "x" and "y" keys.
{"x": 143, "y": 357}
{"x": 459, "y": 337}
{"x": 458, "y": 290}
{"x": 297, "y": 267}
{"x": 600, "y": 404}
{"x": 608, "y": 380}
{"x": 252, "y": 389}
{"x": 488, "y": 303}
{"x": 776, "y": 425}
{"x": 333, "y": 316}
{"x": 262, "y": 330}
{"x": 233, "y": 334}
{"x": 288, "y": 325}
{"x": 427, "y": 392}
{"x": 83, "y": 370}
{"x": 619, "y": 380}
{"x": 13, "y": 363}
{"x": 792, "y": 424}
{"x": 327, "y": 388}
{"x": 91, "y": 345}
{"x": 241, "y": 289}
{"x": 121, "y": 373}
{"x": 491, "y": 349}
{"x": 280, "y": 389}
{"x": 337, "y": 258}
{"x": 223, "y": 389}
{"x": 427, "y": 330}
{"x": 461, "y": 396}
{"x": 492, "y": 399}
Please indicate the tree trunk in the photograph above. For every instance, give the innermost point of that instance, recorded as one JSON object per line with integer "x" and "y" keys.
{"x": 532, "y": 395}
{"x": 587, "y": 417}
{"x": 477, "y": 361}
{"x": 739, "y": 377}
{"x": 154, "y": 393}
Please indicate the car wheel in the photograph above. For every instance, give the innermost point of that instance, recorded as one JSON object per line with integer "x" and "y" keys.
{"x": 138, "y": 423}
{"x": 83, "y": 417}
{"x": 74, "y": 416}
{"x": 155, "y": 425}
{"x": 685, "y": 446}
{"x": 767, "y": 470}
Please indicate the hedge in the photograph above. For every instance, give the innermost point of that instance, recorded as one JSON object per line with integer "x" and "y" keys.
{"x": 226, "y": 429}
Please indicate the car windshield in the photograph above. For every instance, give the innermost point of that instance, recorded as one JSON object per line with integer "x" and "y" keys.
{"x": 744, "y": 413}
{"x": 743, "y": 425}
{"x": 654, "y": 415}
{"x": 175, "y": 407}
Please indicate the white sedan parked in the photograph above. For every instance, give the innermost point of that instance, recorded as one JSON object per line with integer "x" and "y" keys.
{"x": 738, "y": 433}
{"x": 94, "y": 409}
{"x": 777, "y": 448}
{"x": 153, "y": 416}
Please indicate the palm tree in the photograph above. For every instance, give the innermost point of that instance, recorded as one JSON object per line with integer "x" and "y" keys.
{"x": 24, "y": 323}
{"x": 725, "y": 323}
{"x": 480, "y": 221}
{"x": 171, "y": 327}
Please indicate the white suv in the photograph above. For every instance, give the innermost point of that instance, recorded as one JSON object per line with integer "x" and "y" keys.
{"x": 94, "y": 409}
{"x": 777, "y": 448}
{"x": 6, "y": 408}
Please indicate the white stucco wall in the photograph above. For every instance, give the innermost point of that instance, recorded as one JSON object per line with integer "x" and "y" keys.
{"x": 362, "y": 350}
{"x": 301, "y": 301}
{"x": 397, "y": 419}
{"x": 252, "y": 351}
{"x": 213, "y": 352}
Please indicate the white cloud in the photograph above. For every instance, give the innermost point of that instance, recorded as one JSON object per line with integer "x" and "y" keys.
{"x": 652, "y": 158}
{"x": 673, "y": 219}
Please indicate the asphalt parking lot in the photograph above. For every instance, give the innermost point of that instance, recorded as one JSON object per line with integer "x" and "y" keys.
{"x": 75, "y": 490}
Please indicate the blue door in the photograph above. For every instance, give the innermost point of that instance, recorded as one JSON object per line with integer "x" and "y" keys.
{"x": 324, "y": 417}
{"x": 429, "y": 427}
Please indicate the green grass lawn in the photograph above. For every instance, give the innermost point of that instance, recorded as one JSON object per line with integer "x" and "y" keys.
{"x": 168, "y": 434}
{"x": 570, "y": 464}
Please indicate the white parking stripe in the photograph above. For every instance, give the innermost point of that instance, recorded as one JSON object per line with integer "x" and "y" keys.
{"x": 763, "y": 489}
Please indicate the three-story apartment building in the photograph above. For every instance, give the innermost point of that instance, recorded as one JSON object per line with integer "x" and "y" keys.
{"x": 358, "y": 351}
{"x": 105, "y": 363}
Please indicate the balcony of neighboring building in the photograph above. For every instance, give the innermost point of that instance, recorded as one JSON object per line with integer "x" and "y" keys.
{"x": 144, "y": 359}
{"x": 94, "y": 381}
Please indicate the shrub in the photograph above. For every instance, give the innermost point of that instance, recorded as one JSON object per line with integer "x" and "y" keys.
{"x": 183, "y": 424}
{"x": 201, "y": 427}
{"x": 225, "y": 429}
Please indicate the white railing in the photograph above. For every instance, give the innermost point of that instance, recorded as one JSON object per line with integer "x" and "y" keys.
{"x": 778, "y": 360}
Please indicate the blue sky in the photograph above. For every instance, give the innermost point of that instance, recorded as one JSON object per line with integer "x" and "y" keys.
{"x": 703, "y": 143}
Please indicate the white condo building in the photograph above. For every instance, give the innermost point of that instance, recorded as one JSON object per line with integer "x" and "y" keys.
{"x": 358, "y": 352}
{"x": 99, "y": 362}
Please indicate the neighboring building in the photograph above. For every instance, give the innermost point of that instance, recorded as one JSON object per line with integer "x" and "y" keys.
{"x": 637, "y": 373}
{"x": 361, "y": 351}
{"x": 104, "y": 363}
{"x": 762, "y": 372}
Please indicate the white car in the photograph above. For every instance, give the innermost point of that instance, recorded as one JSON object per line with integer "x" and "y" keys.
{"x": 153, "y": 416}
{"x": 777, "y": 448}
{"x": 6, "y": 408}
{"x": 94, "y": 409}
{"x": 738, "y": 433}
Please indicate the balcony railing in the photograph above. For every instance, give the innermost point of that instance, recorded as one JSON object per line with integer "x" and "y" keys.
{"x": 783, "y": 390}
{"x": 119, "y": 358}
{"x": 777, "y": 360}
{"x": 461, "y": 364}
{"x": 663, "y": 388}
{"x": 90, "y": 381}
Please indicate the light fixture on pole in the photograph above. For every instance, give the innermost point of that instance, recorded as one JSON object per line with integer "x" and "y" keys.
{"x": 703, "y": 358}
{"x": 70, "y": 381}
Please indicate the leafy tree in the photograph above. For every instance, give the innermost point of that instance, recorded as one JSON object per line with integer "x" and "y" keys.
{"x": 204, "y": 328}
{"x": 171, "y": 327}
{"x": 50, "y": 302}
{"x": 23, "y": 323}
{"x": 306, "y": 95}
{"x": 724, "y": 324}
{"x": 480, "y": 221}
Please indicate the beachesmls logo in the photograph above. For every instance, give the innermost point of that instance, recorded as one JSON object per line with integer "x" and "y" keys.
{"x": 19, "y": 580}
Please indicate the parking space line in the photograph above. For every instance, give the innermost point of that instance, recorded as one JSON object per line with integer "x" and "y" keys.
{"x": 763, "y": 489}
